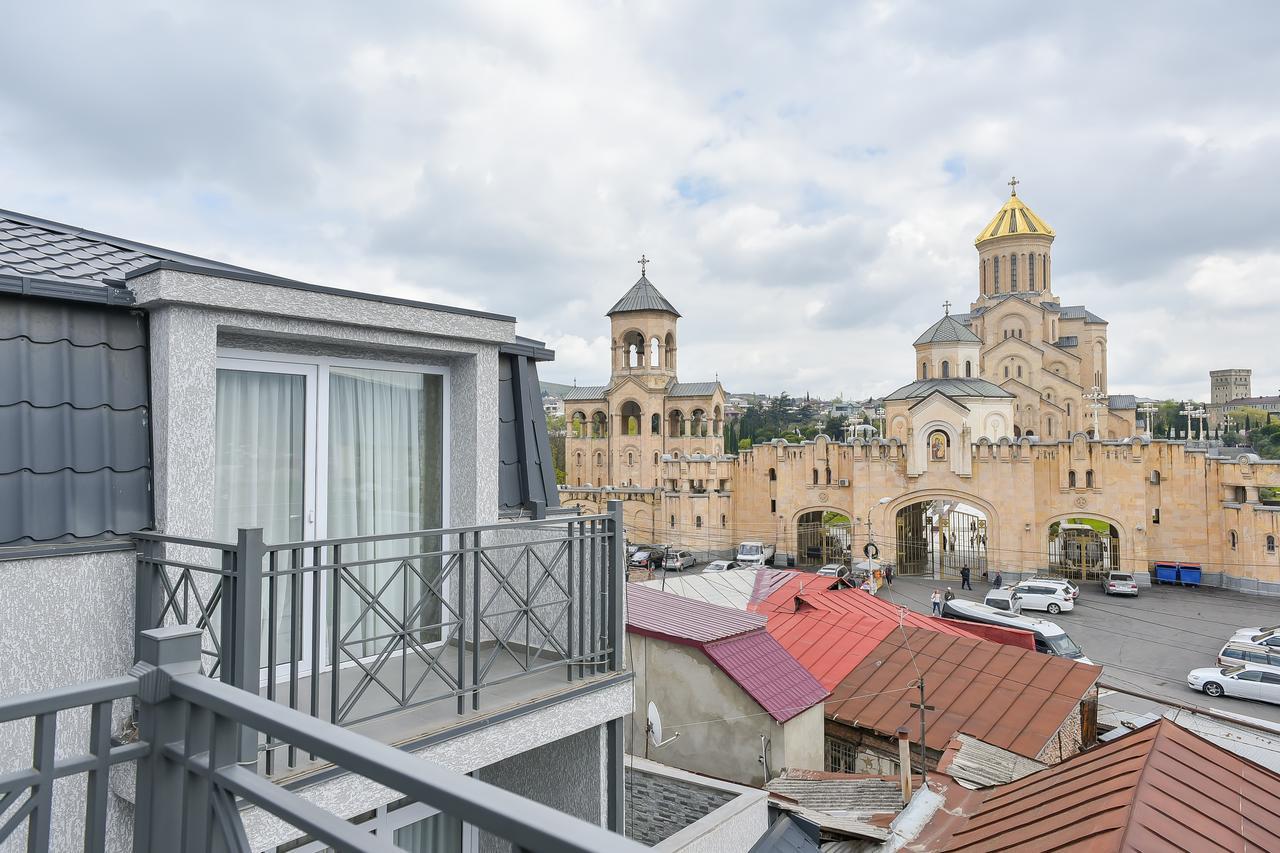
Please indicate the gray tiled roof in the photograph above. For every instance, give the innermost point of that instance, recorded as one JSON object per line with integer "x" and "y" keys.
{"x": 693, "y": 389}
{"x": 948, "y": 330}
{"x": 950, "y": 387}
{"x": 1079, "y": 312}
{"x": 1067, "y": 342}
{"x": 37, "y": 247}
{"x": 585, "y": 392}
{"x": 642, "y": 296}
{"x": 1121, "y": 402}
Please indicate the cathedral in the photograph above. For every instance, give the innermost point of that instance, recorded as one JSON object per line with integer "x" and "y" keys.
{"x": 1004, "y": 450}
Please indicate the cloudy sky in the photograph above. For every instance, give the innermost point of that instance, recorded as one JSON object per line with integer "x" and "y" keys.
{"x": 807, "y": 178}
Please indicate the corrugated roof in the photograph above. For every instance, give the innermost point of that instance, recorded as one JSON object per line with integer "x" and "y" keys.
{"x": 663, "y": 614}
{"x": 763, "y": 668}
{"x": 1160, "y": 788}
{"x": 1014, "y": 218}
{"x": 1122, "y": 402}
{"x": 585, "y": 392}
{"x": 840, "y": 802}
{"x": 692, "y": 389}
{"x": 831, "y": 631}
{"x": 1011, "y": 698}
{"x": 978, "y": 764}
{"x": 726, "y": 589}
{"x": 948, "y": 330}
{"x": 642, "y": 296}
{"x": 954, "y": 387}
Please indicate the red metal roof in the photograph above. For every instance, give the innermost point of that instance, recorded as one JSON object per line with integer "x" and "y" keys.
{"x": 655, "y": 613}
{"x": 1008, "y": 697}
{"x": 761, "y": 667}
{"x": 1159, "y": 788}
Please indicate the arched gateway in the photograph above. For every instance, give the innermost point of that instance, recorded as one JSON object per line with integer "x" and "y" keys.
{"x": 936, "y": 535}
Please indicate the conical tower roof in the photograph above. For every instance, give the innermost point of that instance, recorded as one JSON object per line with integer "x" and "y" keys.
{"x": 948, "y": 330}
{"x": 642, "y": 296}
{"x": 1014, "y": 218}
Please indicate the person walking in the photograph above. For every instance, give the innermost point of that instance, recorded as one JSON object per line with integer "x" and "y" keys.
{"x": 888, "y": 573}
{"x": 997, "y": 581}
{"x": 936, "y": 598}
{"x": 949, "y": 595}
{"x": 964, "y": 578}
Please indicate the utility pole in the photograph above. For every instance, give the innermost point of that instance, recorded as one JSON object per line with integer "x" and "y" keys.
{"x": 924, "y": 758}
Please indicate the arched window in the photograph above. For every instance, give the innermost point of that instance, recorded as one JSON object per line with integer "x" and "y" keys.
{"x": 1233, "y": 540}
{"x": 996, "y": 277}
{"x": 946, "y": 369}
{"x": 632, "y": 418}
{"x": 579, "y": 424}
{"x": 1068, "y": 408}
{"x": 631, "y": 459}
{"x": 670, "y": 352}
{"x": 1019, "y": 371}
{"x": 1088, "y": 479}
{"x": 1044, "y": 265}
{"x": 673, "y": 521}
{"x": 1006, "y": 371}
{"x": 1031, "y": 272}
{"x": 1013, "y": 273}
{"x": 697, "y": 521}
{"x": 654, "y": 346}
{"x": 578, "y": 459}
{"x": 724, "y": 521}
{"x": 968, "y": 369}
{"x": 633, "y": 356}
{"x": 815, "y": 476}
{"x": 773, "y": 475}
{"x": 1271, "y": 543}
{"x": 599, "y": 458}
{"x": 1048, "y": 425}
{"x": 924, "y": 371}
{"x": 828, "y": 476}
{"x": 984, "y": 276}
{"x": 1071, "y": 479}
{"x": 1155, "y": 478}
{"x": 656, "y": 458}
{"x": 655, "y": 424}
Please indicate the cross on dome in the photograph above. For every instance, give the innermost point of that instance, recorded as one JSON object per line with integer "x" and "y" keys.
{"x": 643, "y": 262}
{"x": 946, "y": 307}
{"x": 1013, "y": 186}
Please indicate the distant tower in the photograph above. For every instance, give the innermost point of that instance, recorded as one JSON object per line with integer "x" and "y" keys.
{"x": 1228, "y": 385}
{"x": 643, "y": 325}
{"x": 1014, "y": 251}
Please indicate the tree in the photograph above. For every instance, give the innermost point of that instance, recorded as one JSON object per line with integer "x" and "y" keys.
{"x": 1265, "y": 441}
{"x": 556, "y": 434}
{"x": 1248, "y": 417}
{"x": 834, "y": 426}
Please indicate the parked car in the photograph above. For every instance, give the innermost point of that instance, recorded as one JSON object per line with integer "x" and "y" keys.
{"x": 755, "y": 552}
{"x": 1258, "y": 636}
{"x": 1007, "y": 600}
{"x": 831, "y": 570}
{"x": 679, "y": 560}
{"x": 1042, "y": 595}
{"x": 1245, "y": 681}
{"x": 1050, "y": 638}
{"x": 723, "y": 566}
{"x": 1235, "y": 653}
{"x": 1119, "y": 583}
{"x": 1070, "y": 588}
{"x": 640, "y": 559}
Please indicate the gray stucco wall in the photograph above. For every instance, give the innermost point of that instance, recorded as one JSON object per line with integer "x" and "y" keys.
{"x": 689, "y": 688}
{"x": 63, "y": 621}
{"x": 574, "y": 763}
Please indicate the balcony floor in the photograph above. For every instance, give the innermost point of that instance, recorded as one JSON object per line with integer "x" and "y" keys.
{"x": 405, "y": 726}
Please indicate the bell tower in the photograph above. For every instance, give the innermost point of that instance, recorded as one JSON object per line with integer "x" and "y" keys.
{"x": 1014, "y": 253}
{"x": 643, "y": 333}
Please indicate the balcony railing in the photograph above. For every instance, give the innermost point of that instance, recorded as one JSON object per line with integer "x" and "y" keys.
{"x": 352, "y": 629}
{"x": 191, "y": 785}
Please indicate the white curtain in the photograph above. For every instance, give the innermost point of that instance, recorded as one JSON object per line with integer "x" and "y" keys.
{"x": 258, "y": 474}
{"x": 385, "y": 460}
{"x": 439, "y": 833}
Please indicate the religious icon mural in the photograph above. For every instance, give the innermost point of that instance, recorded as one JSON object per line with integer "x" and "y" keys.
{"x": 938, "y": 446}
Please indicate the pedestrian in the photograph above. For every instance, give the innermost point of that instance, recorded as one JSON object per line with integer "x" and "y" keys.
{"x": 997, "y": 581}
{"x": 936, "y": 598}
{"x": 950, "y": 596}
{"x": 964, "y": 578}
{"x": 888, "y": 574}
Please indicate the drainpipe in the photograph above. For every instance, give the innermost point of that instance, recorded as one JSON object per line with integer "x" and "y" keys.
{"x": 904, "y": 763}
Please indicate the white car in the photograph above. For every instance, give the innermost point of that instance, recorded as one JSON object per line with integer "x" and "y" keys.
{"x": 723, "y": 566}
{"x": 1004, "y": 599}
{"x": 1119, "y": 583}
{"x": 679, "y": 560}
{"x": 1071, "y": 589}
{"x": 1268, "y": 637}
{"x": 1249, "y": 681}
{"x": 831, "y": 570}
{"x": 1043, "y": 595}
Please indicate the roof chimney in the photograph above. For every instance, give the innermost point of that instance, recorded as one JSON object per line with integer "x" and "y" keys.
{"x": 904, "y": 763}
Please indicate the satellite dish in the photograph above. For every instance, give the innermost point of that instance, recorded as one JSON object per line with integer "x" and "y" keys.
{"x": 654, "y": 728}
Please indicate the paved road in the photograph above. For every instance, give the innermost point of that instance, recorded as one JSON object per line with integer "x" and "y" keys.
{"x": 1148, "y": 643}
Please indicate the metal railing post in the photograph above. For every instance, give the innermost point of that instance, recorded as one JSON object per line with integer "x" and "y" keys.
{"x": 242, "y": 626}
{"x": 146, "y": 592}
{"x": 617, "y": 585}
{"x": 163, "y": 654}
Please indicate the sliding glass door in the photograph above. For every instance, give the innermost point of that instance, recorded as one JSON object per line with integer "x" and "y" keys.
{"x": 335, "y": 448}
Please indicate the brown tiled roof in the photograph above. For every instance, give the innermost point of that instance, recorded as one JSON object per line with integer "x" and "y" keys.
{"x": 1009, "y": 697}
{"x": 1160, "y": 788}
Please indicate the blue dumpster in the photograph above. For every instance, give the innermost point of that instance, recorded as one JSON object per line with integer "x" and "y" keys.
{"x": 1189, "y": 574}
{"x": 1166, "y": 572}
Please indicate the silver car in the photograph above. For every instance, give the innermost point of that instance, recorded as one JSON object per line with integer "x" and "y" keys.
{"x": 1119, "y": 583}
{"x": 679, "y": 560}
{"x": 1242, "y": 682}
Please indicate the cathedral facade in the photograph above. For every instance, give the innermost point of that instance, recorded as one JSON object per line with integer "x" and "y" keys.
{"x": 1004, "y": 451}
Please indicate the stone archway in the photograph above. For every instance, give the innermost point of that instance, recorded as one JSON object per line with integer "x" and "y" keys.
{"x": 937, "y": 532}
{"x": 823, "y": 535}
{"x": 1083, "y": 545}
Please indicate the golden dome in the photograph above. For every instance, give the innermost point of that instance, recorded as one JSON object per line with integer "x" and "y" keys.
{"x": 1014, "y": 218}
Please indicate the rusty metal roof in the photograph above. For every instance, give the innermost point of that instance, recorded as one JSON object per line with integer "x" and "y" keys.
{"x": 1160, "y": 788}
{"x": 1011, "y": 698}
{"x": 655, "y": 613}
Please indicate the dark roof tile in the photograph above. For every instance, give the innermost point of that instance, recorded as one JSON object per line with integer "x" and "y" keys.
{"x": 642, "y": 296}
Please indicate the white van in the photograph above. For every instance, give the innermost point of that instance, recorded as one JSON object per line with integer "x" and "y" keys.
{"x": 1050, "y": 638}
{"x": 755, "y": 553}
